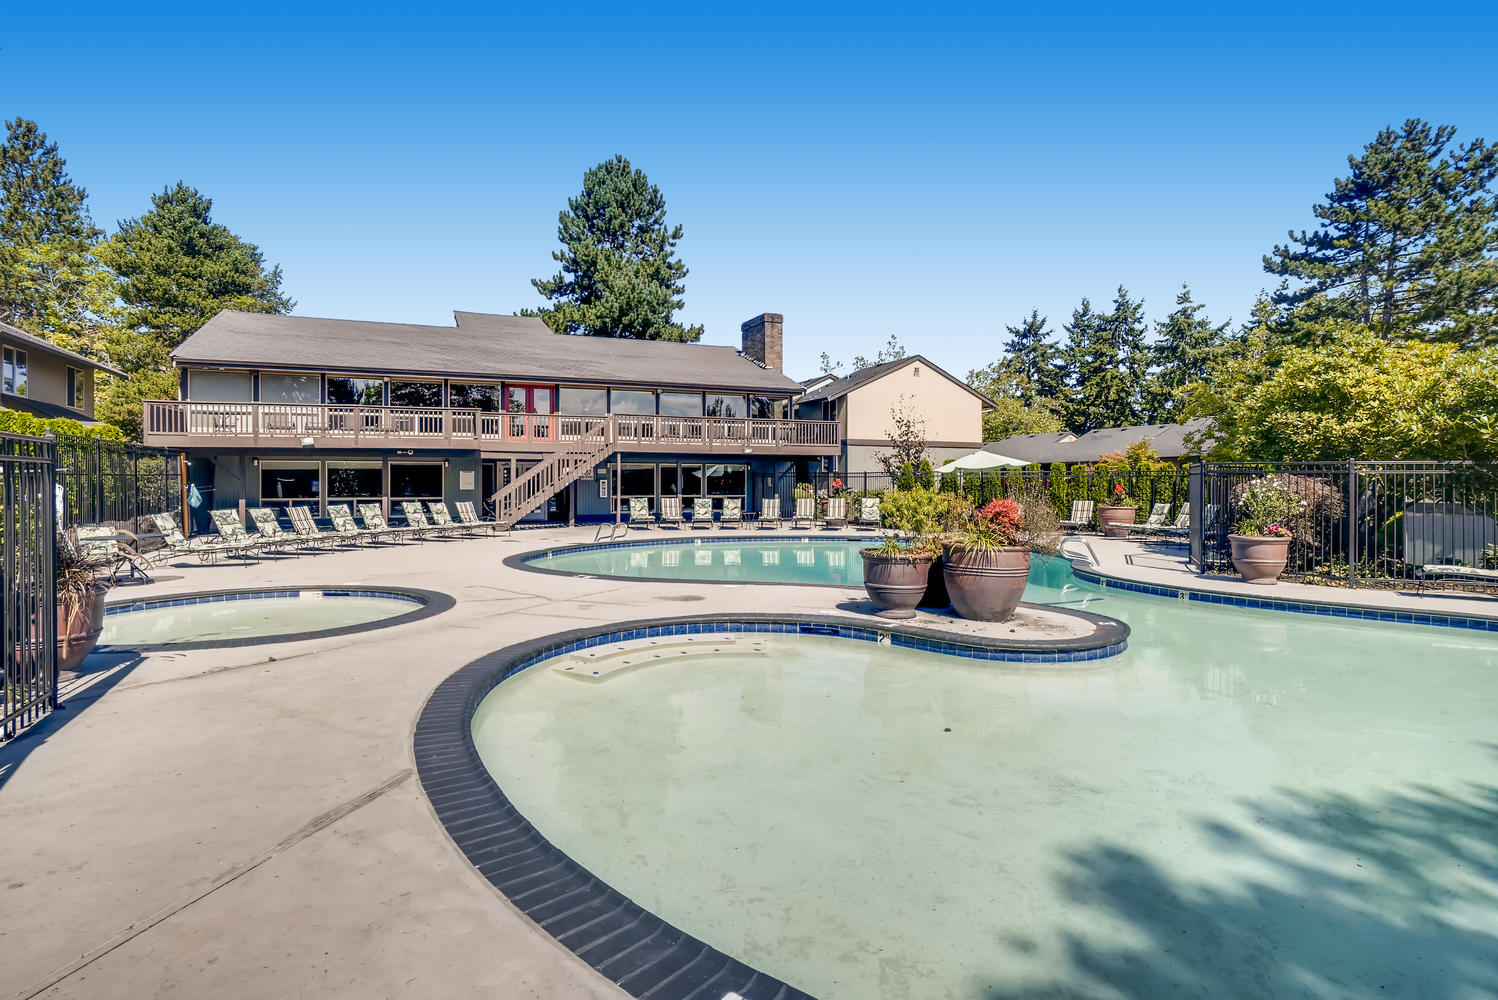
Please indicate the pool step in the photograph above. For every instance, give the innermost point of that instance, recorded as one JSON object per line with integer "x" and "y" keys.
{"x": 606, "y": 661}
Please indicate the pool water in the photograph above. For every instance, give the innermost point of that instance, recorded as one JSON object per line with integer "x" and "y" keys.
{"x": 1243, "y": 804}
{"x": 827, "y": 562}
{"x": 246, "y": 619}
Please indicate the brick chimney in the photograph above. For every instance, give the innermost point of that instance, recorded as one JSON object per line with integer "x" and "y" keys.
{"x": 762, "y": 339}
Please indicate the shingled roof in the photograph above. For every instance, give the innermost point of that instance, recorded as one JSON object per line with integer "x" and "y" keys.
{"x": 1168, "y": 440}
{"x": 481, "y": 345}
{"x": 843, "y": 386}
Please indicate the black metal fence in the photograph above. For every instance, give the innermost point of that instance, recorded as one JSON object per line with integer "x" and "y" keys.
{"x": 1144, "y": 488}
{"x": 28, "y": 620}
{"x": 114, "y": 481}
{"x": 1363, "y": 523}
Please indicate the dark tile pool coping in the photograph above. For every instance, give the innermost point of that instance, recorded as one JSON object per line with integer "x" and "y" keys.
{"x": 522, "y": 560}
{"x": 430, "y": 603}
{"x": 1324, "y": 609}
{"x": 641, "y": 953}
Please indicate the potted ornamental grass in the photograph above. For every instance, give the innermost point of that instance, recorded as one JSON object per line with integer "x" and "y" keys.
{"x": 80, "y": 602}
{"x": 986, "y": 564}
{"x": 897, "y": 571}
{"x": 1116, "y": 514}
{"x": 1264, "y": 508}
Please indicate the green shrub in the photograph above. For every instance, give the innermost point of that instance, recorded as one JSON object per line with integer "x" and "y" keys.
{"x": 21, "y": 422}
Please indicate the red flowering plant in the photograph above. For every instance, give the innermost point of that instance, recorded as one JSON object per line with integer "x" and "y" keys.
{"x": 1119, "y": 497}
{"x": 1026, "y": 519}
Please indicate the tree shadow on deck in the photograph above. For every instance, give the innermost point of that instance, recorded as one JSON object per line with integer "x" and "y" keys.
{"x": 97, "y": 674}
{"x": 1325, "y": 896}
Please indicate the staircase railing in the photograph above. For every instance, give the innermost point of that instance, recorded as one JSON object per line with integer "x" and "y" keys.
{"x": 572, "y": 459}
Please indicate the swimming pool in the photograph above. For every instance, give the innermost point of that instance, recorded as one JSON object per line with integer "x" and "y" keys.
{"x": 810, "y": 561}
{"x": 1242, "y": 803}
{"x": 246, "y": 617}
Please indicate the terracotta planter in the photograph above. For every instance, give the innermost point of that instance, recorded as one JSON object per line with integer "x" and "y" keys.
{"x": 1113, "y": 521}
{"x": 78, "y": 628}
{"x": 1260, "y": 558}
{"x": 986, "y": 585}
{"x": 895, "y": 584}
{"x": 936, "y": 588}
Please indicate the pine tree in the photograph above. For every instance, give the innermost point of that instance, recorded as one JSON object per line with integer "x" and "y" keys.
{"x": 620, "y": 276}
{"x": 1107, "y": 364}
{"x": 43, "y": 215}
{"x": 1186, "y": 344}
{"x": 178, "y": 267}
{"x": 1034, "y": 359}
{"x": 1408, "y": 241}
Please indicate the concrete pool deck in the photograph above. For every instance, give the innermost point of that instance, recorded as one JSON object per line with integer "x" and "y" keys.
{"x": 246, "y": 821}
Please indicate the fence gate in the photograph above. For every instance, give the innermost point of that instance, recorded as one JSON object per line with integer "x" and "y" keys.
{"x": 28, "y": 592}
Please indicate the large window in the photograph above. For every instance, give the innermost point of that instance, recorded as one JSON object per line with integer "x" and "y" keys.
{"x": 727, "y": 481}
{"x": 681, "y": 404}
{"x": 528, "y": 398}
{"x": 355, "y": 482}
{"x": 583, "y": 401}
{"x": 427, "y": 394}
{"x": 416, "y": 481}
{"x": 75, "y": 388}
{"x": 283, "y": 484}
{"x": 636, "y": 481}
{"x": 767, "y": 408}
{"x": 290, "y": 389}
{"x": 356, "y": 391}
{"x": 487, "y": 397}
{"x": 13, "y": 373}
{"x": 726, "y": 406}
{"x": 219, "y": 387}
{"x": 640, "y": 401}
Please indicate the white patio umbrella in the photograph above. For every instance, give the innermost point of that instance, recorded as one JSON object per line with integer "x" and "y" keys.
{"x": 980, "y": 460}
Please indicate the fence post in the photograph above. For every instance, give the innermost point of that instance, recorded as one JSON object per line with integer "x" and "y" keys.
{"x": 1352, "y": 523}
{"x": 98, "y": 481}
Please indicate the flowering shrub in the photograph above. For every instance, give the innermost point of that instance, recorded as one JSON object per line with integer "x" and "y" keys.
{"x": 1264, "y": 506}
{"x": 1002, "y": 517}
{"x": 1119, "y": 497}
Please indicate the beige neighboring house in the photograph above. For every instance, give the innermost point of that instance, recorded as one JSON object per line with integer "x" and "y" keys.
{"x": 864, "y": 403}
{"x": 45, "y": 380}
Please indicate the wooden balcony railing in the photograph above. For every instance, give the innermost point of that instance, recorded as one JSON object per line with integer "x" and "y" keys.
{"x": 193, "y": 424}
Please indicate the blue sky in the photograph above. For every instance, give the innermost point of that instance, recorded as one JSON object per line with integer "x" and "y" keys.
{"x": 931, "y": 171}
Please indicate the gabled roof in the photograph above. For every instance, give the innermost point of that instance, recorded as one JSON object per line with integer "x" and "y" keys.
{"x": 481, "y": 345}
{"x": 863, "y": 376}
{"x": 34, "y": 343}
{"x": 1168, "y": 440}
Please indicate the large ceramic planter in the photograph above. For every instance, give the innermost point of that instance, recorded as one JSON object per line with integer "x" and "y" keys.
{"x": 986, "y": 585}
{"x": 1260, "y": 558}
{"x": 1114, "y": 522}
{"x": 78, "y": 628}
{"x": 895, "y": 584}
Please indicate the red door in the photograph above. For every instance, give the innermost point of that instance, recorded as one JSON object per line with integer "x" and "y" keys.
{"x": 530, "y": 408}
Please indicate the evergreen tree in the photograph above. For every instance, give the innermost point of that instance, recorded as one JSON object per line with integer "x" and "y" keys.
{"x": 1107, "y": 364}
{"x": 1408, "y": 242}
{"x": 620, "y": 276}
{"x": 1034, "y": 359}
{"x": 42, "y": 214}
{"x": 178, "y": 267}
{"x": 1186, "y": 345}
{"x": 1011, "y": 414}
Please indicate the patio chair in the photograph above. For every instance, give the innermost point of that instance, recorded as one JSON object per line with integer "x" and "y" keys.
{"x": 235, "y": 538}
{"x": 268, "y": 530}
{"x": 702, "y": 513}
{"x": 1159, "y": 513}
{"x": 110, "y": 547}
{"x": 837, "y": 513}
{"x": 307, "y": 530}
{"x": 639, "y": 513}
{"x": 869, "y": 515}
{"x": 1182, "y": 525}
{"x": 416, "y": 518}
{"x": 671, "y": 512}
{"x": 174, "y": 544}
{"x": 1454, "y": 573}
{"x": 443, "y": 522}
{"x": 733, "y": 513}
{"x": 376, "y": 525}
{"x": 1081, "y": 514}
{"x": 469, "y": 516}
{"x": 342, "y": 516}
{"x": 769, "y": 512}
{"x": 806, "y": 512}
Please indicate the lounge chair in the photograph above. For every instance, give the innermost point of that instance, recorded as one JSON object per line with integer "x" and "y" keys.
{"x": 235, "y": 538}
{"x": 416, "y": 518}
{"x": 110, "y": 547}
{"x": 837, "y": 513}
{"x": 868, "y": 513}
{"x": 469, "y": 516}
{"x": 175, "y": 545}
{"x": 342, "y": 517}
{"x": 671, "y": 512}
{"x": 639, "y": 513}
{"x": 1081, "y": 515}
{"x": 806, "y": 512}
{"x": 376, "y": 525}
{"x": 1159, "y": 514}
{"x": 268, "y": 530}
{"x": 443, "y": 522}
{"x": 702, "y": 513}
{"x": 733, "y": 513}
{"x": 1182, "y": 525}
{"x": 769, "y": 512}
{"x": 1452, "y": 572}
{"x": 306, "y": 529}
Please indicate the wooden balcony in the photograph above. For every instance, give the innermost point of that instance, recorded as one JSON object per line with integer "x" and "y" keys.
{"x": 174, "y": 424}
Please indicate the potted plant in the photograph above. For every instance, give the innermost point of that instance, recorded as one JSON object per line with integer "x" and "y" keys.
{"x": 1115, "y": 516}
{"x": 1261, "y": 537}
{"x": 987, "y": 563}
{"x": 80, "y": 602}
{"x": 896, "y": 572}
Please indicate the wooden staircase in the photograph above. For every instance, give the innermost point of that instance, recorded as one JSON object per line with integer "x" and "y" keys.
{"x": 572, "y": 459}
